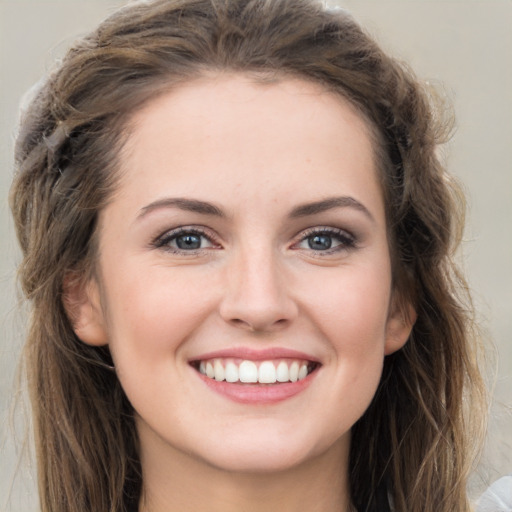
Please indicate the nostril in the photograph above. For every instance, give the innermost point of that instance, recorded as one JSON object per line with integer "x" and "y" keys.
{"x": 259, "y": 326}
{"x": 244, "y": 324}
{"x": 238, "y": 322}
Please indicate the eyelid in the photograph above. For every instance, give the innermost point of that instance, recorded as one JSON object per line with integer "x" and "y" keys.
{"x": 349, "y": 240}
{"x": 161, "y": 241}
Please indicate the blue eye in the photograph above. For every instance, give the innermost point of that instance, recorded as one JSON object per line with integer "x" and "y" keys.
{"x": 183, "y": 240}
{"x": 319, "y": 242}
{"x": 327, "y": 240}
{"x": 189, "y": 241}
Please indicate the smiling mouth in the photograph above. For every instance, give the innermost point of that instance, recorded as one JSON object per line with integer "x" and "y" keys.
{"x": 245, "y": 371}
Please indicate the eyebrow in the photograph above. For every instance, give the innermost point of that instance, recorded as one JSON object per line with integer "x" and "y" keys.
{"x": 328, "y": 204}
{"x": 206, "y": 208}
{"x": 189, "y": 205}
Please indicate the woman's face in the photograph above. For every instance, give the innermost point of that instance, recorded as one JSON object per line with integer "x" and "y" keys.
{"x": 244, "y": 282}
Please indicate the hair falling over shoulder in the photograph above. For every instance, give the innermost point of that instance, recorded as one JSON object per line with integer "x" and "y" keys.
{"x": 419, "y": 437}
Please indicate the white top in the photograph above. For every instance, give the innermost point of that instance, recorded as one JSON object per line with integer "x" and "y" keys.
{"x": 498, "y": 497}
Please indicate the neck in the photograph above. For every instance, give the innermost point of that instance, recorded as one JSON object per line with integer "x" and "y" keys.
{"x": 179, "y": 482}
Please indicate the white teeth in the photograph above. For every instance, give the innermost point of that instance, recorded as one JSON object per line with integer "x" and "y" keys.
{"x": 267, "y": 373}
{"x": 231, "y": 372}
{"x": 282, "y": 373}
{"x": 248, "y": 372}
{"x": 294, "y": 371}
{"x": 219, "y": 370}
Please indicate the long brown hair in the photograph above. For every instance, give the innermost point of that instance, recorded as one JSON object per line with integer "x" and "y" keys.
{"x": 415, "y": 439}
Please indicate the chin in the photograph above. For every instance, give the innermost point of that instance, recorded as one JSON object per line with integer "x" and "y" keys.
{"x": 258, "y": 463}
{"x": 269, "y": 454}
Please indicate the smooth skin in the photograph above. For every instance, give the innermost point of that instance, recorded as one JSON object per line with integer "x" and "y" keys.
{"x": 248, "y": 215}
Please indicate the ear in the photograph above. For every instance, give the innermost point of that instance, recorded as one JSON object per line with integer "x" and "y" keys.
{"x": 81, "y": 300}
{"x": 399, "y": 325}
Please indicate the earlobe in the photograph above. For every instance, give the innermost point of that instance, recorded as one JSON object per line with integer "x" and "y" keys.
{"x": 399, "y": 326}
{"x": 81, "y": 300}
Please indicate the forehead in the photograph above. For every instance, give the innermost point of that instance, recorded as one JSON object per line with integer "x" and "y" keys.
{"x": 232, "y": 129}
{"x": 228, "y": 97}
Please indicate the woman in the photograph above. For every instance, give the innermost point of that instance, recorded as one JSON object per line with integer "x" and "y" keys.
{"x": 237, "y": 244}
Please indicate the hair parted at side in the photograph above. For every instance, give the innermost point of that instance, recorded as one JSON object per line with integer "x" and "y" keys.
{"x": 416, "y": 437}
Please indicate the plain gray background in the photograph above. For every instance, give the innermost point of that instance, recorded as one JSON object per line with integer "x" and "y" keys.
{"x": 465, "y": 45}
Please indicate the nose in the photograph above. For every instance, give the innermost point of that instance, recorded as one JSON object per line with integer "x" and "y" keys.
{"x": 257, "y": 296}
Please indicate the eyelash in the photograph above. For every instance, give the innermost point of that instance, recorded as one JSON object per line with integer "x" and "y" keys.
{"x": 346, "y": 240}
{"x": 163, "y": 241}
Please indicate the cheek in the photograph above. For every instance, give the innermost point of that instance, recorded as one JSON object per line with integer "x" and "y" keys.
{"x": 352, "y": 308}
{"x": 150, "y": 316}
{"x": 351, "y": 313}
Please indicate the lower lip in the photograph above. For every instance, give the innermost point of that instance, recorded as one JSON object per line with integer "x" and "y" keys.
{"x": 258, "y": 393}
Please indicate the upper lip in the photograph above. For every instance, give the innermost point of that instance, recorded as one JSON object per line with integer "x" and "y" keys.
{"x": 256, "y": 354}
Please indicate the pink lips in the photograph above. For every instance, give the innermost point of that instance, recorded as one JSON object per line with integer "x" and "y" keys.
{"x": 256, "y": 393}
{"x": 258, "y": 355}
